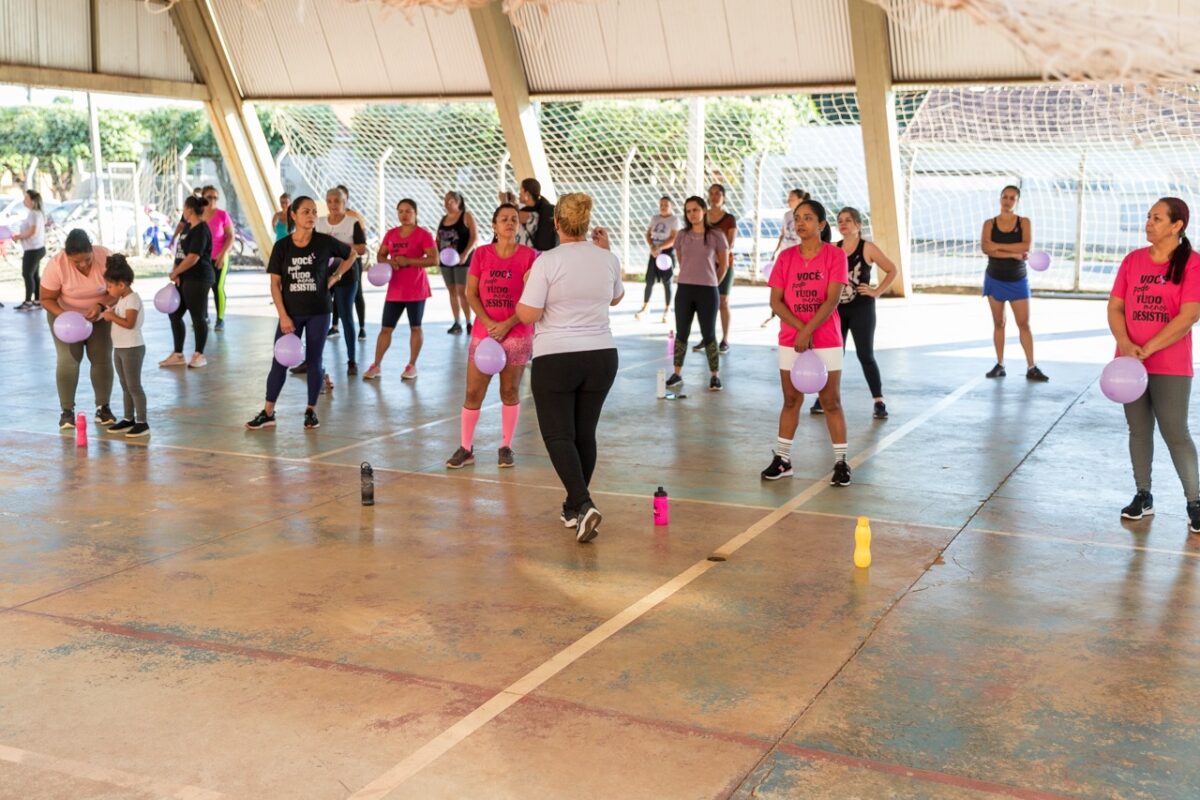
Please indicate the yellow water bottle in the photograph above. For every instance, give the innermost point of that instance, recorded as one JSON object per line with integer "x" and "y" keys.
{"x": 862, "y": 543}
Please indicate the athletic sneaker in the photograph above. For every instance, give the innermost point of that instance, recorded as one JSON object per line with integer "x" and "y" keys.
{"x": 504, "y": 457}
{"x": 1193, "y": 512}
{"x": 173, "y": 360}
{"x": 997, "y": 371}
{"x": 816, "y": 407}
{"x": 638, "y": 314}
{"x": 780, "y": 468}
{"x": 362, "y": 334}
{"x": 455, "y": 328}
{"x": 104, "y": 416}
{"x": 468, "y": 327}
{"x": 220, "y": 326}
{"x": 569, "y": 518}
{"x": 333, "y": 331}
{"x": 589, "y": 522}
{"x": 198, "y": 361}
{"x": 310, "y": 419}
{"x": 372, "y": 373}
{"x": 1142, "y": 505}
{"x": 880, "y": 411}
{"x": 300, "y": 370}
{"x": 139, "y": 429}
{"x": 1035, "y": 374}
{"x": 698, "y": 348}
{"x": 723, "y": 348}
{"x": 409, "y": 374}
{"x": 121, "y": 426}
{"x": 352, "y": 368}
{"x": 714, "y": 385}
{"x": 462, "y": 458}
{"x": 841, "y": 474}
{"x": 66, "y": 420}
{"x": 24, "y": 306}
{"x": 674, "y": 380}
{"x": 261, "y": 420}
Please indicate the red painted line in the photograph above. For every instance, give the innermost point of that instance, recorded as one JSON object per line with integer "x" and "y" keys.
{"x": 927, "y": 775}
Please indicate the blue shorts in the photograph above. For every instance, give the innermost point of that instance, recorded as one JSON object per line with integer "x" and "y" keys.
{"x": 1005, "y": 291}
{"x": 394, "y": 309}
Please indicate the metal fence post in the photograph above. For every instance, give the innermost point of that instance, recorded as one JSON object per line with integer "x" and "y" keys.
{"x": 625, "y": 180}
{"x": 380, "y": 189}
{"x": 182, "y": 188}
{"x": 1079, "y": 204}
{"x": 756, "y": 262}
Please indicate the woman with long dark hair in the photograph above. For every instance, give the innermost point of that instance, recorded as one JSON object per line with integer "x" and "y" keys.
{"x": 457, "y": 231}
{"x": 32, "y": 237}
{"x": 1006, "y": 240}
{"x": 702, "y": 267}
{"x": 193, "y": 275}
{"x": 1154, "y": 304}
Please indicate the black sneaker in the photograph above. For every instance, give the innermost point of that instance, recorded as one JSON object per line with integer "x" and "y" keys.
{"x": 300, "y": 370}
{"x": 104, "y": 416}
{"x": 468, "y": 327}
{"x": 674, "y": 380}
{"x": 455, "y": 328}
{"x": 997, "y": 371}
{"x": 310, "y": 420}
{"x": 816, "y": 408}
{"x": 66, "y": 420}
{"x": 220, "y": 326}
{"x": 1035, "y": 374}
{"x": 780, "y": 468}
{"x": 1193, "y": 512}
{"x": 841, "y": 474}
{"x": 723, "y": 348}
{"x": 462, "y": 458}
{"x": 698, "y": 348}
{"x": 569, "y": 517}
{"x": 714, "y": 385}
{"x": 880, "y": 411}
{"x": 1141, "y": 506}
{"x": 589, "y": 522}
{"x": 139, "y": 429}
{"x": 121, "y": 426}
{"x": 504, "y": 457}
{"x": 261, "y": 420}
{"x": 362, "y": 334}
{"x": 333, "y": 332}
{"x": 352, "y": 368}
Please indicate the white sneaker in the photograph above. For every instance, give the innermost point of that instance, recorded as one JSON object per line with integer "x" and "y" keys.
{"x": 198, "y": 360}
{"x": 409, "y": 374}
{"x": 173, "y": 360}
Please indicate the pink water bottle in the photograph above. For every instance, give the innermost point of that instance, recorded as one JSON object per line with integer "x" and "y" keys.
{"x": 662, "y": 507}
{"x": 671, "y": 344}
{"x": 81, "y": 430}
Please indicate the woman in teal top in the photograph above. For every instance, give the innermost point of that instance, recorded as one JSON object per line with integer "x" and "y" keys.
{"x": 280, "y": 221}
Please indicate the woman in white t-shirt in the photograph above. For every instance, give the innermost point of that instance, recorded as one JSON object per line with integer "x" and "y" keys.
{"x": 32, "y": 237}
{"x": 566, "y": 299}
{"x": 660, "y": 235}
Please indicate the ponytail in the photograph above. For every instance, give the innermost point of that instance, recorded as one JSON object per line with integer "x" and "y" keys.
{"x": 1179, "y": 260}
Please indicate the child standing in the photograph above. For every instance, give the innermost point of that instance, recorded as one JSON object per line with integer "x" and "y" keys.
{"x": 129, "y": 348}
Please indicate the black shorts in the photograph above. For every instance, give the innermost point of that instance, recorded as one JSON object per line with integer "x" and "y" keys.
{"x": 726, "y": 283}
{"x": 394, "y": 309}
{"x": 455, "y": 276}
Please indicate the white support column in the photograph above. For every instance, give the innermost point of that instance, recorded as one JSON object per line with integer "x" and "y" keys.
{"x": 695, "y": 165}
{"x": 510, "y": 91}
{"x": 235, "y": 124}
{"x": 877, "y": 110}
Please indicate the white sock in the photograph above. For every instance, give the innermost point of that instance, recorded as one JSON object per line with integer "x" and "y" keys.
{"x": 783, "y": 448}
{"x": 839, "y": 452}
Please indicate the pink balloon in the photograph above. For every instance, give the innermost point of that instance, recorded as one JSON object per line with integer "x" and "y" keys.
{"x": 809, "y": 373}
{"x": 1124, "y": 379}
{"x": 490, "y": 357}
{"x": 1039, "y": 260}
{"x": 379, "y": 274}
{"x": 72, "y": 327}
{"x": 166, "y": 299}
{"x": 449, "y": 257}
{"x": 289, "y": 350}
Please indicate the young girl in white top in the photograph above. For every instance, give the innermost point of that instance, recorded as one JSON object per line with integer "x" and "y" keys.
{"x": 129, "y": 348}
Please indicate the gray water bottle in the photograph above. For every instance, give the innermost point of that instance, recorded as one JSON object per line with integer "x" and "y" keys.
{"x": 368, "y": 484}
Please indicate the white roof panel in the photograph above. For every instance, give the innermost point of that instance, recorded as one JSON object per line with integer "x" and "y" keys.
{"x": 136, "y": 42}
{"x": 46, "y": 33}
{"x": 932, "y": 44}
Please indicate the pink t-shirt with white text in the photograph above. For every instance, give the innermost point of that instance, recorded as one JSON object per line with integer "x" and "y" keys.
{"x": 501, "y": 281}
{"x": 408, "y": 284}
{"x": 805, "y": 285}
{"x": 216, "y": 225}
{"x": 1151, "y": 301}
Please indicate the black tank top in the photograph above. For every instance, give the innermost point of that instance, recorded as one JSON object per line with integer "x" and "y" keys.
{"x": 456, "y": 235}
{"x": 860, "y": 273}
{"x": 1006, "y": 269}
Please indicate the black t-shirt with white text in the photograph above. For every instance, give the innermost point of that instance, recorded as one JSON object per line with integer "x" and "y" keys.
{"x": 305, "y": 271}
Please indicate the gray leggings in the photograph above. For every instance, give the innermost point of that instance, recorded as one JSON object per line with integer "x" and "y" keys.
{"x": 1165, "y": 400}
{"x": 99, "y": 351}
{"x": 129, "y": 369}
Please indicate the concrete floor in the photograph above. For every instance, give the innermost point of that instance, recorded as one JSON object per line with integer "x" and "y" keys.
{"x": 212, "y": 614}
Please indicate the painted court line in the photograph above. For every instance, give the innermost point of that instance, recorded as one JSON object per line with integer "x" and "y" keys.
{"x": 107, "y": 775}
{"x": 1045, "y": 537}
{"x": 503, "y": 700}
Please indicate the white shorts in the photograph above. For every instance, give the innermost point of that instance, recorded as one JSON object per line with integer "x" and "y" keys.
{"x": 832, "y": 356}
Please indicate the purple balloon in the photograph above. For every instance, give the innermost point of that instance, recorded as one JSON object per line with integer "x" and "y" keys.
{"x": 663, "y": 262}
{"x": 5, "y": 233}
{"x": 1124, "y": 379}
{"x": 809, "y": 373}
{"x": 166, "y": 299}
{"x": 379, "y": 274}
{"x": 1039, "y": 260}
{"x": 490, "y": 357}
{"x": 72, "y": 327}
{"x": 289, "y": 350}
{"x": 449, "y": 257}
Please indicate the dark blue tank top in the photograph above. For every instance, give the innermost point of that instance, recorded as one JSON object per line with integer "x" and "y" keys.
{"x": 1006, "y": 269}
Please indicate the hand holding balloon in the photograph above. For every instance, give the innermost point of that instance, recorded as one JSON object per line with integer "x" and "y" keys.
{"x": 286, "y": 325}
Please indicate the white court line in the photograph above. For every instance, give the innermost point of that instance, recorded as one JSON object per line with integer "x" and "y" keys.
{"x": 505, "y": 698}
{"x": 1045, "y": 537}
{"x": 112, "y": 777}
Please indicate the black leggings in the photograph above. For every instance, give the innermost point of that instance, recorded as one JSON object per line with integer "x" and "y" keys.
{"x": 193, "y": 298}
{"x": 702, "y": 302}
{"x": 31, "y": 261}
{"x": 653, "y": 273}
{"x": 569, "y": 391}
{"x": 858, "y": 317}
{"x": 360, "y": 303}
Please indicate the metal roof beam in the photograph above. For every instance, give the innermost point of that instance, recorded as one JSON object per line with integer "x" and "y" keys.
{"x": 79, "y": 81}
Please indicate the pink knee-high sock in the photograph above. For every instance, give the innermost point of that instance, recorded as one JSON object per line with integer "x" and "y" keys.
{"x": 470, "y": 418}
{"x": 508, "y": 421}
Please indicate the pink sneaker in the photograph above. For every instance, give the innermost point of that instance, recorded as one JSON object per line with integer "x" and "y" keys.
{"x": 173, "y": 360}
{"x": 410, "y": 373}
{"x": 372, "y": 373}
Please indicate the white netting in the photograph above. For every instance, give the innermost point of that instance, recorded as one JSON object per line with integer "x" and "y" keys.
{"x": 1089, "y": 160}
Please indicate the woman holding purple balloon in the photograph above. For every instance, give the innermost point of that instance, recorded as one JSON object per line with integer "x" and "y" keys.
{"x": 74, "y": 282}
{"x": 302, "y": 269}
{"x": 806, "y": 286}
{"x": 194, "y": 275}
{"x": 1154, "y": 303}
{"x": 494, "y": 285}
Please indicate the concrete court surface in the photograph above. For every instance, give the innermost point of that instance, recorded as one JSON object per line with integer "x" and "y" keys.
{"x": 211, "y": 613}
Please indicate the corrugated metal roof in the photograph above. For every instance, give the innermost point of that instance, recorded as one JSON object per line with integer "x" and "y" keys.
{"x": 329, "y": 48}
{"x": 46, "y": 33}
{"x": 931, "y": 44}
{"x": 136, "y": 42}
{"x": 649, "y": 44}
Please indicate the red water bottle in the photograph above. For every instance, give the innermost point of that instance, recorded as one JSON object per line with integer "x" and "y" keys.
{"x": 81, "y": 430}
{"x": 662, "y": 507}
